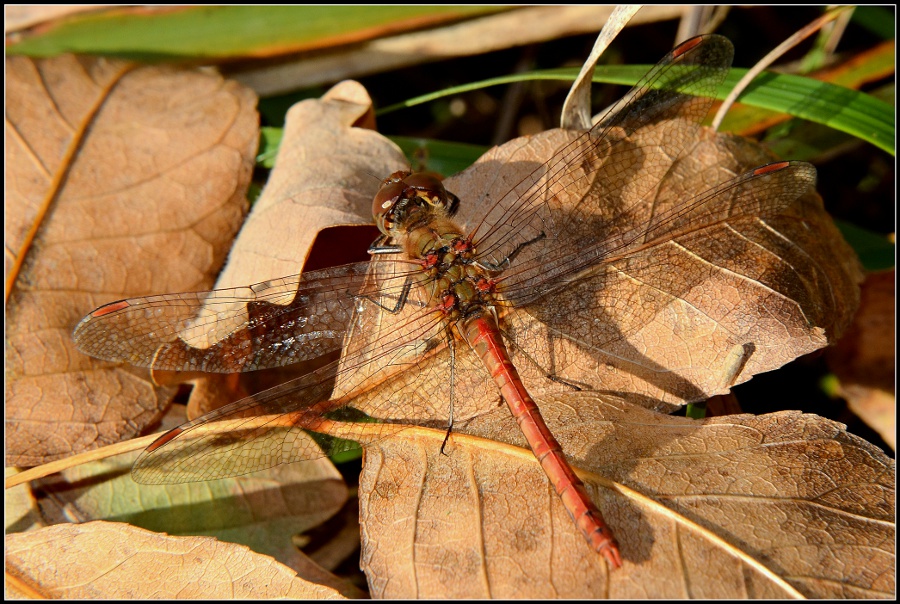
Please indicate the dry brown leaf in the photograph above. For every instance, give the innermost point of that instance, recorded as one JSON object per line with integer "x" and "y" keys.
{"x": 329, "y": 167}
{"x": 113, "y": 560}
{"x": 865, "y": 360}
{"x": 123, "y": 180}
{"x": 731, "y": 507}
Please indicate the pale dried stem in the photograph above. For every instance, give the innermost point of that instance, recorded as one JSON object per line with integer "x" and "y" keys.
{"x": 770, "y": 58}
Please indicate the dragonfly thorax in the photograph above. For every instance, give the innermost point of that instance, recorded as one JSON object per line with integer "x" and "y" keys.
{"x": 452, "y": 278}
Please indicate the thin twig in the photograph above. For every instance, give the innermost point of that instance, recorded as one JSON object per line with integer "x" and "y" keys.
{"x": 770, "y": 58}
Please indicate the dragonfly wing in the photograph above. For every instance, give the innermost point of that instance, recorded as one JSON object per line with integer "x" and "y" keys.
{"x": 254, "y": 433}
{"x": 267, "y": 429}
{"x": 270, "y": 324}
{"x": 763, "y": 192}
{"x": 284, "y": 424}
{"x": 601, "y": 178}
{"x": 448, "y": 380}
{"x": 724, "y": 235}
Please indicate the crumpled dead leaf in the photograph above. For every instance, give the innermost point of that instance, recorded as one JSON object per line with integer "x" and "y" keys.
{"x": 770, "y": 506}
{"x": 329, "y": 167}
{"x": 123, "y": 180}
{"x": 115, "y": 560}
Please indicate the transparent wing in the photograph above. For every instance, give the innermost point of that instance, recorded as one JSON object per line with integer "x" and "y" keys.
{"x": 271, "y": 324}
{"x": 758, "y": 193}
{"x": 611, "y": 170}
{"x": 394, "y": 369}
{"x": 270, "y": 428}
{"x": 725, "y": 235}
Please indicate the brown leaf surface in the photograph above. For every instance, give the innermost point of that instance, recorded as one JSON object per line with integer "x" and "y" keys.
{"x": 329, "y": 167}
{"x": 122, "y": 180}
{"x": 772, "y": 506}
{"x": 113, "y": 560}
{"x": 865, "y": 359}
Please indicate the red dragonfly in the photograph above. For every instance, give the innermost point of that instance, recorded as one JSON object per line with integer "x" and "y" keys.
{"x": 441, "y": 287}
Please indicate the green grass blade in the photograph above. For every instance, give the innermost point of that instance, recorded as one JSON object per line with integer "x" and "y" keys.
{"x": 846, "y": 110}
{"x": 203, "y": 32}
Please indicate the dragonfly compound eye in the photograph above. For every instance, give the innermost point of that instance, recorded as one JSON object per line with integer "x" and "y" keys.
{"x": 428, "y": 186}
{"x": 384, "y": 201}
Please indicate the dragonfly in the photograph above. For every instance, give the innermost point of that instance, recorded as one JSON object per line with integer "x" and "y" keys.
{"x": 430, "y": 286}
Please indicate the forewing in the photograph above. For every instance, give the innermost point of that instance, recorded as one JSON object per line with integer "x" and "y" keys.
{"x": 660, "y": 283}
{"x": 762, "y": 192}
{"x": 603, "y": 177}
{"x": 271, "y": 324}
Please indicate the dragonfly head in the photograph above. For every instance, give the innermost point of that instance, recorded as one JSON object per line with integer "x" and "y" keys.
{"x": 403, "y": 191}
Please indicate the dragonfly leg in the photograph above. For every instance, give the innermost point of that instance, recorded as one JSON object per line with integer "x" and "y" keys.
{"x": 504, "y": 264}
{"x": 555, "y": 378}
{"x": 401, "y": 301}
{"x": 451, "y": 346}
{"x": 453, "y": 206}
{"x": 379, "y": 246}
